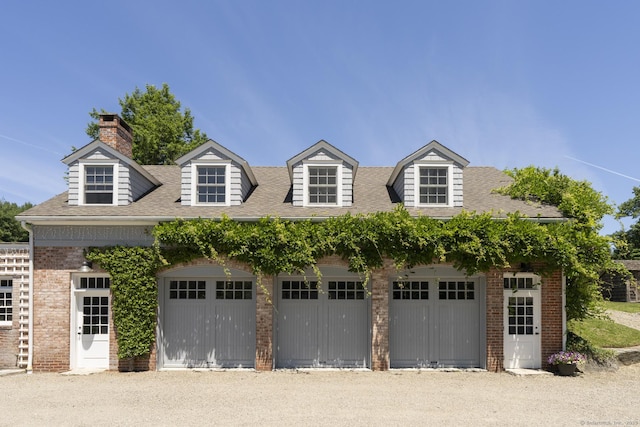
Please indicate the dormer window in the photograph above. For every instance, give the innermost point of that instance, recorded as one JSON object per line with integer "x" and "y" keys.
{"x": 433, "y": 184}
{"x": 98, "y": 185}
{"x": 210, "y": 184}
{"x": 323, "y": 185}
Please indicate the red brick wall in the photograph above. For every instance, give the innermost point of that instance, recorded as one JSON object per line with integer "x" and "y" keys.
{"x": 495, "y": 320}
{"x": 552, "y": 309}
{"x": 51, "y": 305}
{"x": 380, "y": 317}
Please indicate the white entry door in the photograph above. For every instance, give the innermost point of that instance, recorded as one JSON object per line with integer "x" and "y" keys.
{"x": 522, "y": 323}
{"x": 91, "y": 335}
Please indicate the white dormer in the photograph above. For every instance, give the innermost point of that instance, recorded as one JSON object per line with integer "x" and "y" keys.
{"x": 322, "y": 176}
{"x": 211, "y": 175}
{"x": 429, "y": 177}
{"x": 99, "y": 175}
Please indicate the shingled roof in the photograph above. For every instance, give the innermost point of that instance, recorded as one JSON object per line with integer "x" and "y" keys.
{"x": 272, "y": 198}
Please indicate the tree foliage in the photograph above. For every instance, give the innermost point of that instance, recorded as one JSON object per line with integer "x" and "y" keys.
{"x": 628, "y": 241}
{"x": 587, "y": 253}
{"x": 161, "y": 132}
{"x": 10, "y": 229}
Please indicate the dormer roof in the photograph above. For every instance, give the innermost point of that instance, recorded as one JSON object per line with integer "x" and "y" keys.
{"x": 97, "y": 145}
{"x": 433, "y": 146}
{"x": 321, "y": 145}
{"x": 213, "y": 145}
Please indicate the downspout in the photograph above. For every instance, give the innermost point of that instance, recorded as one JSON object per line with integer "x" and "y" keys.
{"x": 29, "y": 228}
{"x": 564, "y": 311}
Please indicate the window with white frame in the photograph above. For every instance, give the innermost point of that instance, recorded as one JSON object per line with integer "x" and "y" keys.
{"x": 98, "y": 184}
{"x": 211, "y": 184}
{"x": 6, "y": 302}
{"x": 323, "y": 185}
{"x": 434, "y": 185}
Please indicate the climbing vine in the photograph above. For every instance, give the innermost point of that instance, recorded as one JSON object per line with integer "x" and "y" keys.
{"x": 134, "y": 291}
{"x": 472, "y": 242}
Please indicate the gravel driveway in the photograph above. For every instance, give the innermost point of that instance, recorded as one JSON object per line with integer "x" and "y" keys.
{"x": 335, "y": 398}
{"x": 323, "y": 397}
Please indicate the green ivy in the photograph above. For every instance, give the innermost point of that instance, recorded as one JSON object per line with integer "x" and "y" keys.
{"x": 134, "y": 290}
{"x": 472, "y": 242}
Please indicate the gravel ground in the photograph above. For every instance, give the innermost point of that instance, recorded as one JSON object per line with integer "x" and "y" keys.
{"x": 335, "y": 398}
{"x": 324, "y": 397}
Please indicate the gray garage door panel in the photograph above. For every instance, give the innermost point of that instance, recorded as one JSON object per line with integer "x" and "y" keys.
{"x": 198, "y": 329}
{"x": 436, "y": 324}
{"x": 322, "y": 328}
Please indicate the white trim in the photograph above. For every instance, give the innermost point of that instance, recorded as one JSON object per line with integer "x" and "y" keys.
{"x": 227, "y": 181}
{"x": 416, "y": 183}
{"x": 305, "y": 182}
{"x": 5, "y": 323}
{"x": 74, "y": 325}
{"x": 82, "y": 180}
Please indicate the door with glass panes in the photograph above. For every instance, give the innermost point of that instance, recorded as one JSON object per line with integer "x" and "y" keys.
{"x": 91, "y": 322}
{"x": 522, "y": 321}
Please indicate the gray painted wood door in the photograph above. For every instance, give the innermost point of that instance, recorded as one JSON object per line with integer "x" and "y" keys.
{"x": 327, "y": 328}
{"x": 207, "y": 323}
{"x": 435, "y": 323}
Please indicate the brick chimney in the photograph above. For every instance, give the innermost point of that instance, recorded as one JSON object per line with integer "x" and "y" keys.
{"x": 116, "y": 133}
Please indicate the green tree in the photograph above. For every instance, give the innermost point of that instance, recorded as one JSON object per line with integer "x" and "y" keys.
{"x": 587, "y": 253}
{"x": 627, "y": 242}
{"x": 10, "y": 229}
{"x": 161, "y": 132}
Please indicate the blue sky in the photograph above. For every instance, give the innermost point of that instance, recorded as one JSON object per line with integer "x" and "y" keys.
{"x": 502, "y": 83}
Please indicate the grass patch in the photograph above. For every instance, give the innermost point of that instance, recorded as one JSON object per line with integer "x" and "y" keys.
{"x": 605, "y": 333}
{"x": 627, "y": 307}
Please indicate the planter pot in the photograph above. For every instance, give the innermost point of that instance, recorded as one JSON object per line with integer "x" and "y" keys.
{"x": 567, "y": 370}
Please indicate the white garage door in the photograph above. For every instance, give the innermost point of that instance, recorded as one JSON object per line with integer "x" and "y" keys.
{"x": 322, "y": 328}
{"x": 207, "y": 323}
{"x": 435, "y": 323}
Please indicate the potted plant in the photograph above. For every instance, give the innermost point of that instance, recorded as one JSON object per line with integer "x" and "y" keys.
{"x": 566, "y": 361}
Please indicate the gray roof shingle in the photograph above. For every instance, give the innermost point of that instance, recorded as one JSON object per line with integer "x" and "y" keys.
{"x": 370, "y": 191}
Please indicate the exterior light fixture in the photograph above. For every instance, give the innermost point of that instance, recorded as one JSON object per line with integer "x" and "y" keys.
{"x": 86, "y": 267}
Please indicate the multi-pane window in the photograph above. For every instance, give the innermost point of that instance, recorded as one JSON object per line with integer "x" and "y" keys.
{"x": 456, "y": 290}
{"x": 237, "y": 289}
{"x": 98, "y": 185}
{"x": 95, "y": 319}
{"x": 323, "y": 185}
{"x": 434, "y": 186}
{"x": 519, "y": 283}
{"x": 6, "y": 301}
{"x": 299, "y": 289}
{"x": 211, "y": 186}
{"x": 95, "y": 283}
{"x": 187, "y": 289}
{"x": 344, "y": 290}
{"x": 520, "y": 314}
{"x": 411, "y": 290}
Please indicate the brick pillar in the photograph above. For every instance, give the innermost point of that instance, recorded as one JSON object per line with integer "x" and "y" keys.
{"x": 551, "y": 313}
{"x": 495, "y": 320}
{"x": 264, "y": 324}
{"x": 380, "y": 318}
{"x": 116, "y": 133}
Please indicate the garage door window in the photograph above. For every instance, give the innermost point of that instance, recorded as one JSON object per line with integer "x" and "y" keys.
{"x": 411, "y": 290}
{"x": 299, "y": 289}
{"x": 187, "y": 289}
{"x": 456, "y": 290}
{"x": 236, "y": 290}
{"x": 346, "y": 290}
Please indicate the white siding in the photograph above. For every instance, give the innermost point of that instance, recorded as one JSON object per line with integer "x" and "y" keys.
{"x": 298, "y": 184}
{"x": 239, "y": 183}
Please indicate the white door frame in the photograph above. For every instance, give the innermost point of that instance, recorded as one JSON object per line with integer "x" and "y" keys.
{"x": 77, "y": 293}
{"x": 522, "y": 336}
